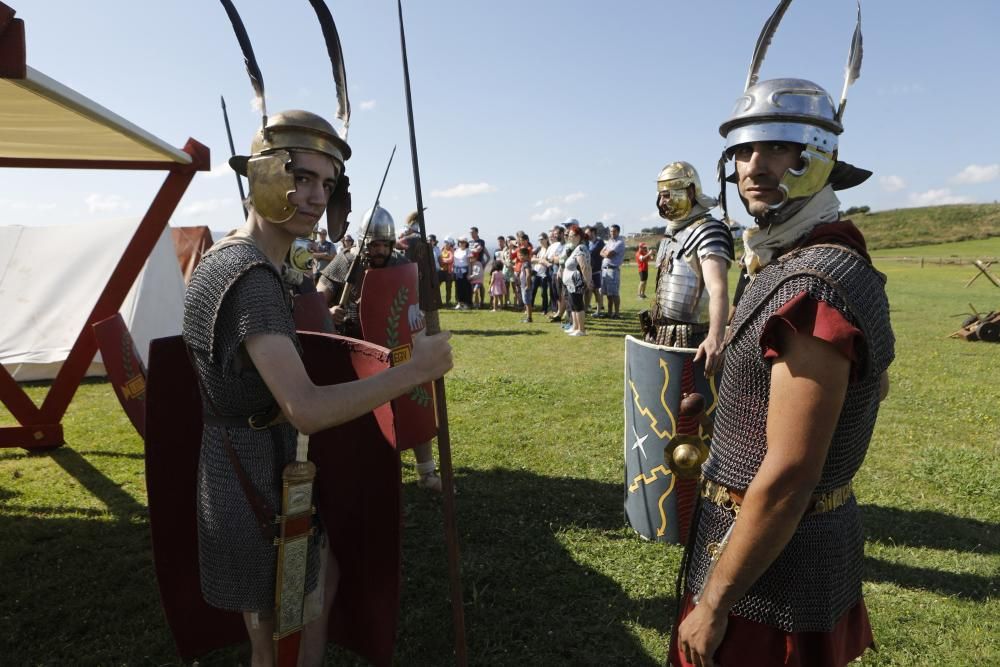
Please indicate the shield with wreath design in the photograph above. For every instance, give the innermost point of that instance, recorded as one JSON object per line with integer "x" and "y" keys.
{"x": 390, "y": 314}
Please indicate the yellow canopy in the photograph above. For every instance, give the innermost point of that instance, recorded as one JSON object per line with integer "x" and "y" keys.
{"x": 44, "y": 120}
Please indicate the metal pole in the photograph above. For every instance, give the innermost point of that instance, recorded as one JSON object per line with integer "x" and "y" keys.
{"x": 232, "y": 151}
{"x": 443, "y": 438}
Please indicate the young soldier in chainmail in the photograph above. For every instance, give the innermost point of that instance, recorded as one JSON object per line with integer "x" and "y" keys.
{"x": 256, "y": 393}
{"x": 774, "y": 567}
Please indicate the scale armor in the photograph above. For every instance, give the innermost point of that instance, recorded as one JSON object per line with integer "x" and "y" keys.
{"x": 817, "y": 577}
{"x": 681, "y": 294}
{"x": 236, "y": 292}
{"x": 335, "y": 275}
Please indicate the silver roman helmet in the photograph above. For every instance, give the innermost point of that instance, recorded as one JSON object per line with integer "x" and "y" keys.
{"x": 268, "y": 167}
{"x": 675, "y": 178}
{"x": 378, "y": 225}
{"x": 795, "y": 111}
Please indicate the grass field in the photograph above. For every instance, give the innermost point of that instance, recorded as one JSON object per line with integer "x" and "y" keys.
{"x": 551, "y": 574}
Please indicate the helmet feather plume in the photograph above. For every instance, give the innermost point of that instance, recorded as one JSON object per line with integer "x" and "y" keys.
{"x": 764, "y": 41}
{"x": 853, "y": 64}
{"x": 253, "y": 70}
{"x": 332, "y": 38}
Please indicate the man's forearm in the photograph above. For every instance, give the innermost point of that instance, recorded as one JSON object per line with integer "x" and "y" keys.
{"x": 767, "y": 520}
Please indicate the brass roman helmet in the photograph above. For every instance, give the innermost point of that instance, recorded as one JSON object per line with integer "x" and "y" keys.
{"x": 268, "y": 167}
{"x": 675, "y": 178}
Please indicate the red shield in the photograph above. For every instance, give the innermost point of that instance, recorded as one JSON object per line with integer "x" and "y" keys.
{"x": 311, "y": 313}
{"x": 389, "y": 311}
{"x": 357, "y": 486}
{"x": 124, "y": 368}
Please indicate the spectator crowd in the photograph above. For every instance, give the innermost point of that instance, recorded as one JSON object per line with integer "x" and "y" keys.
{"x": 563, "y": 272}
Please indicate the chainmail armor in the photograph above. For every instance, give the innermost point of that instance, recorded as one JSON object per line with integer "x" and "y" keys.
{"x": 235, "y": 292}
{"x": 817, "y": 577}
{"x": 333, "y": 278}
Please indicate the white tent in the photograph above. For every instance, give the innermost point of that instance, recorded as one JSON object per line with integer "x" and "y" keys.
{"x": 50, "y": 279}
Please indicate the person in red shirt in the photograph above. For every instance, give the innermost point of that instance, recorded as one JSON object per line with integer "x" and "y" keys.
{"x": 642, "y": 261}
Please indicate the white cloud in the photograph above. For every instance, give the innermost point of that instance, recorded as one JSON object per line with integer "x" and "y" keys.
{"x": 551, "y": 213}
{"x": 18, "y": 205}
{"x": 367, "y": 105}
{"x": 892, "y": 183}
{"x": 98, "y": 203}
{"x": 219, "y": 170}
{"x": 649, "y": 218}
{"x": 937, "y": 197}
{"x": 561, "y": 199}
{"x": 201, "y": 206}
{"x": 464, "y": 190}
{"x": 608, "y": 216}
{"x": 978, "y": 173}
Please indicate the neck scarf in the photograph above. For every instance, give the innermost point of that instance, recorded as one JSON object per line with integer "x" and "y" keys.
{"x": 763, "y": 245}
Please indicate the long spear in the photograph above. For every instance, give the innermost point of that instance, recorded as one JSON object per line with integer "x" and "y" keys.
{"x": 430, "y": 306}
{"x": 232, "y": 151}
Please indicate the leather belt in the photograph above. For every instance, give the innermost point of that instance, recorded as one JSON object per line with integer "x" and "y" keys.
{"x": 725, "y": 498}
{"x": 257, "y": 422}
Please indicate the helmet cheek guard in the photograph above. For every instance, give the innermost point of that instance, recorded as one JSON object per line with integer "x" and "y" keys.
{"x": 338, "y": 207}
{"x": 271, "y": 181}
{"x": 810, "y": 179}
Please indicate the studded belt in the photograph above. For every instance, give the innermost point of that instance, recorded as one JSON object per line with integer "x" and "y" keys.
{"x": 725, "y": 498}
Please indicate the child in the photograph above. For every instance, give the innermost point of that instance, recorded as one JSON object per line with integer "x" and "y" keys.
{"x": 476, "y": 278}
{"x": 524, "y": 280}
{"x": 498, "y": 286}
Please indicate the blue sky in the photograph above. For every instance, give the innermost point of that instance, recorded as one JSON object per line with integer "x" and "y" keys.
{"x": 527, "y": 112}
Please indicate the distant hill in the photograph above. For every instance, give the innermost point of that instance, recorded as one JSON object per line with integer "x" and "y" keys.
{"x": 906, "y": 227}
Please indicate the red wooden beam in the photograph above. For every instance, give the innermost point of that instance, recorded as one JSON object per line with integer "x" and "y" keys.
{"x": 68, "y": 163}
{"x": 121, "y": 280}
{"x": 13, "y": 64}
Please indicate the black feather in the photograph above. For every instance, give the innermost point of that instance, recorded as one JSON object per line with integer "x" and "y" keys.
{"x": 764, "y": 41}
{"x": 253, "y": 70}
{"x": 336, "y": 59}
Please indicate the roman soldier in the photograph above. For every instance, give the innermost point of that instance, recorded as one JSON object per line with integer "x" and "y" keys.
{"x": 377, "y": 251}
{"x": 691, "y": 303}
{"x": 258, "y": 399}
{"x": 773, "y": 572}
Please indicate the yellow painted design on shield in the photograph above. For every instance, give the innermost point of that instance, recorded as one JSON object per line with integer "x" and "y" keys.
{"x": 646, "y": 412}
{"x": 135, "y": 387}
{"x": 655, "y": 474}
{"x": 401, "y": 354}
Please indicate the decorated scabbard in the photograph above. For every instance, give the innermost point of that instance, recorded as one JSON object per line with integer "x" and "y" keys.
{"x": 295, "y": 527}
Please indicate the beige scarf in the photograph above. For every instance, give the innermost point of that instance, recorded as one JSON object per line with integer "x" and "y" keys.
{"x": 763, "y": 245}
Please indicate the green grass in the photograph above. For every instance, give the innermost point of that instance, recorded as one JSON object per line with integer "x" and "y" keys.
{"x": 551, "y": 574}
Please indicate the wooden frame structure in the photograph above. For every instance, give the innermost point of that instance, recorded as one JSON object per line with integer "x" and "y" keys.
{"x": 44, "y": 124}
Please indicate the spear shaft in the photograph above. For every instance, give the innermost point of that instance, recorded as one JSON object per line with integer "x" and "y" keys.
{"x": 232, "y": 151}
{"x": 430, "y": 307}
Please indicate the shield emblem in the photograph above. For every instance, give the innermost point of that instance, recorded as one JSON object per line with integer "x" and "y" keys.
{"x": 390, "y": 313}
{"x": 124, "y": 367}
{"x": 360, "y": 511}
{"x": 658, "y": 503}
